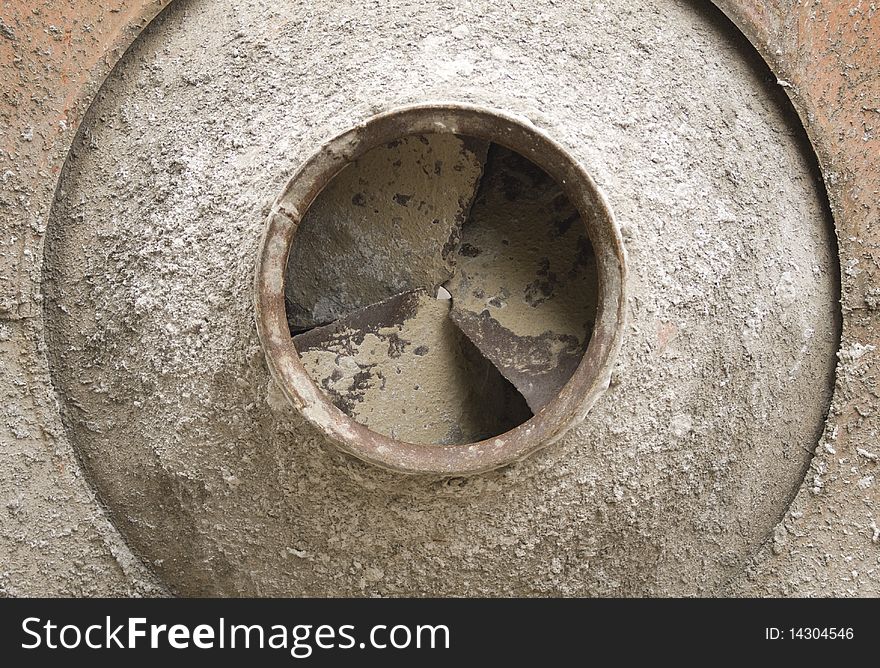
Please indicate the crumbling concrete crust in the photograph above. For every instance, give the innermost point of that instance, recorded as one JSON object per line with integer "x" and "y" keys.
{"x": 686, "y": 465}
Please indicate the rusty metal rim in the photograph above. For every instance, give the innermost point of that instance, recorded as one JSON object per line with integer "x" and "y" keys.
{"x": 590, "y": 378}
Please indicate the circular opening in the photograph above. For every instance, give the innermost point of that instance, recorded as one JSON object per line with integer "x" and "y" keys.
{"x": 440, "y": 289}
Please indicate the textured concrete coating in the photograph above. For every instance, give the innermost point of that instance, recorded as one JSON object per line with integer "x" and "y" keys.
{"x": 386, "y": 224}
{"x": 681, "y": 469}
{"x": 525, "y": 286}
{"x": 402, "y": 368}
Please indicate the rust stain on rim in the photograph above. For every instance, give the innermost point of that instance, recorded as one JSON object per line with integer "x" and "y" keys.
{"x": 590, "y": 378}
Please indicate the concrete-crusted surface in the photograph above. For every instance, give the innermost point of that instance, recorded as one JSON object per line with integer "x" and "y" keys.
{"x": 55, "y": 538}
{"x": 679, "y": 470}
{"x": 825, "y": 55}
{"x": 387, "y": 223}
{"x": 525, "y": 286}
{"x": 403, "y": 369}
